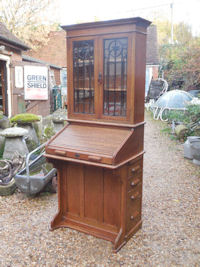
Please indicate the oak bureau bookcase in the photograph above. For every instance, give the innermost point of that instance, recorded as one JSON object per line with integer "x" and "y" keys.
{"x": 99, "y": 153}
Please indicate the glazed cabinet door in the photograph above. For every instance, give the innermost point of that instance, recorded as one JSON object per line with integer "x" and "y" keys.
{"x": 115, "y": 86}
{"x": 82, "y": 71}
{"x": 99, "y": 81}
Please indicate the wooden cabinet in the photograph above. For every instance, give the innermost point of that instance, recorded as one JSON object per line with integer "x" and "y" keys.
{"x": 99, "y": 153}
{"x": 106, "y": 63}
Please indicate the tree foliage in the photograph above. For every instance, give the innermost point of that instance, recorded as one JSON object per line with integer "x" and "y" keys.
{"x": 29, "y": 20}
{"x": 180, "y": 61}
{"x": 182, "y": 32}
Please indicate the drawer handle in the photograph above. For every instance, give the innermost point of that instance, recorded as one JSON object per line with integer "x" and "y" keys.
{"x": 135, "y": 169}
{"x": 135, "y": 182}
{"x": 93, "y": 158}
{"x": 60, "y": 152}
{"x": 133, "y": 217}
{"x": 133, "y": 197}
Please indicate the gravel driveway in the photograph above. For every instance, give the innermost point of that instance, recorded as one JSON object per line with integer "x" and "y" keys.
{"x": 170, "y": 235}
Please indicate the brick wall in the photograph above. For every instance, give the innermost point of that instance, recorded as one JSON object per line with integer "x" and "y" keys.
{"x": 155, "y": 72}
{"x": 16, "y": 56}
{"x": 39, "y": 107}
{"x": 55, "y": 50}
{"x": 57, "y": 76}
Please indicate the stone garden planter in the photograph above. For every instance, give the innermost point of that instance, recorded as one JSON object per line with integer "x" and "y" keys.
{"x": 195, "y": 144}
{"x": 188, "y": 149}
{"x": 31, "y": 136}
{"x": 25, "y": 121}
{"x": 58, "y": 125}
{"x": 59, "y": 118}
{"x": 14, "y": 142}
{"x": 4, "y": 124}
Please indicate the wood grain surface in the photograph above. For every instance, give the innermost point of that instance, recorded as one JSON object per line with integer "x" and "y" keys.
{"x": 99, "y": 154}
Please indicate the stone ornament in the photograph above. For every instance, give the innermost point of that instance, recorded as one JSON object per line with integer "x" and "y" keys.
{"x": 14, "y": 132}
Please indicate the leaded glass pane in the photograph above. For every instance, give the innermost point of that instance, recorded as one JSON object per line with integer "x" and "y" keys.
{"x": 83, "y": 76}
{"x": 115, "y": 76}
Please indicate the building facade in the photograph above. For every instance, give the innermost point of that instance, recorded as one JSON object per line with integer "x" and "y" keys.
{"x": 18, "y": 95}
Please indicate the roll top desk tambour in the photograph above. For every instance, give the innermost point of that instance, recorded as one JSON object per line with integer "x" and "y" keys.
{"x": 99, "y": 153}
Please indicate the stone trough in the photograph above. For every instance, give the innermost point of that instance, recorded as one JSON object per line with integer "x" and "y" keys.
{"x": 37, "y": 174}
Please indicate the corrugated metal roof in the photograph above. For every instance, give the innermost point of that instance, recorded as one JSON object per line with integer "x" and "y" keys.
{"x": 7, "y": 36}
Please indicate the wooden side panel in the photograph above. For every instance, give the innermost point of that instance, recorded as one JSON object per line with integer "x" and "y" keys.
{"x": 74, "y": 175}
{"x": 133, "y": 146}
{"x": 69, "y": 80}
{"x": 112, "y": 198}
{"x": 131, "y": 75}
{"x": 93, "y": 193}
{"x": 140, "y": 67}
{"x": 62, "y": 183}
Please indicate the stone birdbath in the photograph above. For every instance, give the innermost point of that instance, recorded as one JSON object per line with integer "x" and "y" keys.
{"x": 25, "y": 121}
{"x": 14, "y": 142}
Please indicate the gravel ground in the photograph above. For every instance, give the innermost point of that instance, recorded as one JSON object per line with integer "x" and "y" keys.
{"x": 170, "y": 235}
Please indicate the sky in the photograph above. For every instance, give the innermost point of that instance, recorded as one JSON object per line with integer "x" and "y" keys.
{"x": 72, "y": 12}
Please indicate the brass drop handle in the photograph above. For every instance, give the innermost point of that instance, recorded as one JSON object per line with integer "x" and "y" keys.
{"x": 135, "y": 182}
{"x": 100, "y": 78}
{"x": 135, "y": 168}
{"x": 94, "y": 158}
{"x": 60, "y": 152}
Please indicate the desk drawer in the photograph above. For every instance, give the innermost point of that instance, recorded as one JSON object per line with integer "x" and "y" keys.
{"x": 134, "y": 202}
{"x": 134, "y": 182}
{"x": 134, "y": 167}
{"x": 134, "y": 194}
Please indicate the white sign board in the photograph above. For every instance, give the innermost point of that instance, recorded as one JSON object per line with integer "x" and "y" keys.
{"x": 19, "y": 77}
{"x": 35, "y": 83}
